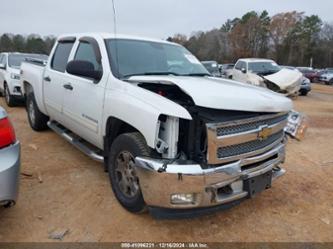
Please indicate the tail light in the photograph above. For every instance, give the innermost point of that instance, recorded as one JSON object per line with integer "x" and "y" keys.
{"x": 7, "y": 133}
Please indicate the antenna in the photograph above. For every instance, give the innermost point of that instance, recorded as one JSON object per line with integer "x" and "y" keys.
{"x": 114, "y": 17}
{"x": 115, "y": 34}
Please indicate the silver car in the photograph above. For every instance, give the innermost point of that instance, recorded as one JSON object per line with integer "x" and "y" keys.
{"x": 9, "y": 161}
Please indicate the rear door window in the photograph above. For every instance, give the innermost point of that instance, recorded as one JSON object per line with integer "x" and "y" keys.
{"x": 61, "y": 55}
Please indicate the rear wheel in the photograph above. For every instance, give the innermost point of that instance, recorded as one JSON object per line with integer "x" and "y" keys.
{"x": 122, "y": 172}
{"x": 331, "y": 82}
{"x": 10, "y": 101}
{"x": 37, "y": 120}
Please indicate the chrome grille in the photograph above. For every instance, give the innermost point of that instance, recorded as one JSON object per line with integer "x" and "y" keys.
{"x": 244, "y": 148}
{"x": 234, "y": 140}
{"x": 237, "y": 128}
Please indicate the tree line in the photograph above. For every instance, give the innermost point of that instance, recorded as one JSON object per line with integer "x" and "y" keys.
{"x": 290, "y": 38}
{"x": 26, "y": 44}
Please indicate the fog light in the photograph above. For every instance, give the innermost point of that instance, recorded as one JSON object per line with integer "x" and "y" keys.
{"x": 297, "y": 125}
{"x": 183, "y": 199}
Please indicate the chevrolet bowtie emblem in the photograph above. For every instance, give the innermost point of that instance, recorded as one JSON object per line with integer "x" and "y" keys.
{"x": 264, "y": 133}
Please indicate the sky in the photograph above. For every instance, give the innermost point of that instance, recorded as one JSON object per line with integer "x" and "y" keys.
{"x": 152, "y": 18}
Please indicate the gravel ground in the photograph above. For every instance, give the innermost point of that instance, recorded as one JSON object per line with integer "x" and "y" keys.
{"x": 70, "y": 193}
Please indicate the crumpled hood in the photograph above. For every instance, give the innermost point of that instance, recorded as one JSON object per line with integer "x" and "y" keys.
{"x": 224, "y": 94}
{"x": 285, "y": 78}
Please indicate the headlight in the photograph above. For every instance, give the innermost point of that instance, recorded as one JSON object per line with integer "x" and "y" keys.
{"x": 15, "y": 76}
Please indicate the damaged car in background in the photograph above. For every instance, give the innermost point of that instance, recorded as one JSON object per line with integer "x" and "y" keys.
{"x": 266, "y": 73}
{"x": 173, "y": 139}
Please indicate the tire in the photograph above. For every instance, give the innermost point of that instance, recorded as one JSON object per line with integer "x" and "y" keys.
{"x": 121, "y": 166}
{"x": 9, "y": 99}
{"x": 304, "y": 93}
{"x": 331, "y": 82}
{"x": 37, "y": 120}
{"x": 315, "y": 80}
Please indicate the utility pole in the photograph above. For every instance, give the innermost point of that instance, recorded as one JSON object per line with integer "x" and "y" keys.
{"x": 311, "y": 62}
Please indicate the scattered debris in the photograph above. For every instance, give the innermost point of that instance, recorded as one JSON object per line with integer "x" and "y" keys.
{"x": 58, "y": 234}
{"x": 26, "y": 174}
{"x": 326, "y": 221}
{"x": 33, "y": 146}
{"x": 39, "y": 176}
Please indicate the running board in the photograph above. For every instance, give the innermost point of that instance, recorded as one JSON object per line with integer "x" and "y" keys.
{"x": 76, "y": 141}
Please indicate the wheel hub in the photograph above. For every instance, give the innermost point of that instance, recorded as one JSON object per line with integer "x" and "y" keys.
{"x": 126, "y": 175}
{"x": 32, "y": 112}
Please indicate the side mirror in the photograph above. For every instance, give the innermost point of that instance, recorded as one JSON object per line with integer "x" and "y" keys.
{"x": 243, "y": 70}
{"x": 2, "y": 66}
{"x": 83, "y": 69}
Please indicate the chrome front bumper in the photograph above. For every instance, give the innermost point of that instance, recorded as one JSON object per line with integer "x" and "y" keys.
{"x": 9, "y": 173}
{"x": 204, "y": 184}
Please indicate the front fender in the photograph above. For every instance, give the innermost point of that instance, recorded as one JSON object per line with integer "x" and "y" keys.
{"x": 141, "y": 109}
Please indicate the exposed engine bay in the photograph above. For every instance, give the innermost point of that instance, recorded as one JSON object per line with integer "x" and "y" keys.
{"x": 192, "y": 143}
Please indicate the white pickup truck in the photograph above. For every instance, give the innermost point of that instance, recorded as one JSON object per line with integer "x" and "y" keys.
{"x": 10, "y": 75}
{"x": 172, "y": 138}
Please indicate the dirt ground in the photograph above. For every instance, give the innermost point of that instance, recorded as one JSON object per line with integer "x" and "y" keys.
{"x": 75, "y": 194}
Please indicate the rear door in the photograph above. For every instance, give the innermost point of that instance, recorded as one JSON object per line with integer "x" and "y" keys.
{"x": 83, "y": 101}
{"x": 55, "y": 77}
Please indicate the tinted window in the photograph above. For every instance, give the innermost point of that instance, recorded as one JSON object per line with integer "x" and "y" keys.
{"x": 61, "y": 55}
{"x": 2, "y": 59}
{"x": 240, "y": 65}
{"x": 85, "y": 52}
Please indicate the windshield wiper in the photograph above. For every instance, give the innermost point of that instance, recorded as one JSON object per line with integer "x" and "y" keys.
{"x": 197, "y": 74}
{"x": 150, "y": 73}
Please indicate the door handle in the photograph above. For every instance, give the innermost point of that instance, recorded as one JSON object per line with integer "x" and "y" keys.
{"x": 68, "y": 87}
{"x": 47, "y": 78}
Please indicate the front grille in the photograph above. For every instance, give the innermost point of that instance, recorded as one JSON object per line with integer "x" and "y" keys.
{"x": 238, "y": 128}
{"x": 234, "y": 140}
{"x": 244, "y": 148}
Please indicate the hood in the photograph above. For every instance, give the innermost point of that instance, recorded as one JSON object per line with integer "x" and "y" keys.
{"x": 224, "y": 94}
{"x": 285, "y": 78}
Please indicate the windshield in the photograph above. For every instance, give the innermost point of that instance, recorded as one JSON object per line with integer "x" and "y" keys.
{"x": 15, "y": 60}
{"x": 134, "y": 57}
{"x": 263, "y": 67}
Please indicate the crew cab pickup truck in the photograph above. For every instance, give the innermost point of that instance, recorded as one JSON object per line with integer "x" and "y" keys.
{"x": 266, "y": 73}
{"x": 10, "y": 75}
{"x": 172, "y": 138}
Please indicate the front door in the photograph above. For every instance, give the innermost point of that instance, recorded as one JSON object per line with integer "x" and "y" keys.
{"x": 84, "y": 97}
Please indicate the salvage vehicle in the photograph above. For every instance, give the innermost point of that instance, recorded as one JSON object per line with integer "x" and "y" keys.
{"x": 173, "y": 139}
{"x": 311, "y": 74}
{"x": 305, "y": 87}
{"x": 212, "y": 67}
{"x": 266, "y": 73}
{"x": 226, "y": 70}
{"x": 10, "y": 75}
{"x": 327, "y": 78}
{"x": 9, "y": 161}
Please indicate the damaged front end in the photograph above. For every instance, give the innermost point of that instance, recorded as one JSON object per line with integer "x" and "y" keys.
{"x": 218, "y": 158}
{"x": 286, "y": 82}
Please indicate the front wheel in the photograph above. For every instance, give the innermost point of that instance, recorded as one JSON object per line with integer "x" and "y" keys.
{"x": 121, "y": 166}
{"x": 37, "y": 120}
{"x": 10, "y": 101}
